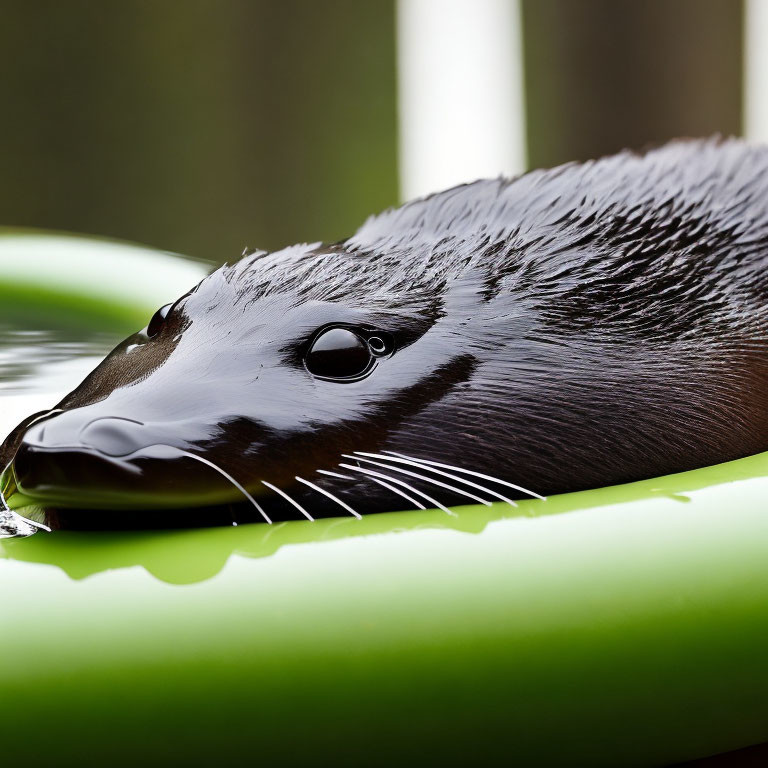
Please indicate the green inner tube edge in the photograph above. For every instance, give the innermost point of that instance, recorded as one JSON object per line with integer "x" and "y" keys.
{"x": 43, "y": 306}
{"x": 627, "y": 630}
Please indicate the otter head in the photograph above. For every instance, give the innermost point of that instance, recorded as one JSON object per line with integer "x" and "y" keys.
{"x": 240, "y": 391}
{"x": 573, "y": 328}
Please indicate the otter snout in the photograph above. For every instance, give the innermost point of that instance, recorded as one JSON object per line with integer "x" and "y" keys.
{"x": 78, "y": 460}
{"x": 66, "y": 474}
{"x": 116, "y": 436}
{"x": 110, "y": 435}
{"x": 66, "y": 459}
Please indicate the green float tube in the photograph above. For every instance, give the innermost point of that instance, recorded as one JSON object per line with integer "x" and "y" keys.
{"x": 625, "y": 626}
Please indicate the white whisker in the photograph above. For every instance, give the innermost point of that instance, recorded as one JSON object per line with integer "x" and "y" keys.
{"x": 469, "y": 472}
{"x": 428, "y": 479}
{"x": 33, "y": 523}
{"x": 419, "y": 465}
{"x": 334, "y": 474}
{"x": 392, "y": 488}
{"x": 396, "y": 490}
{"x": 330, "y": 496}
{"x": 289, "y": 499}
{"x": 423, "y": 495}
{"x": 227, "y": 476}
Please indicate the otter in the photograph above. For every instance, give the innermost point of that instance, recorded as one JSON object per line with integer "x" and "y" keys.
{"x": 577, "y": 327}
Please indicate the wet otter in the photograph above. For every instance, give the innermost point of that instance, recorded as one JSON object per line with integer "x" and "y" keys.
{"x": 588, "y": 325}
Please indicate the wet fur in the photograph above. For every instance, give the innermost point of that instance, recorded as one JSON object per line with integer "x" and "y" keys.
{"x": 615, "y": 310}
{"x": 576, "y": 327}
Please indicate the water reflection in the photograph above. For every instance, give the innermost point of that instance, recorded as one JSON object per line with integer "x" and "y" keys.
{"x": 38, "y": 367}
{"x": 25, "y": 354}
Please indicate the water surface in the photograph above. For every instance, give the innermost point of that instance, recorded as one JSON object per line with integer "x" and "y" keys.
{"x": 39, "y": 366}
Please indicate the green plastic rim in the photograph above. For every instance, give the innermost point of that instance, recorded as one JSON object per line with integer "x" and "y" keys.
{"x": 623, "y": 626}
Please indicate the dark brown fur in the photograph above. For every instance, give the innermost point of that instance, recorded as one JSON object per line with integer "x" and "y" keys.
{"x": 577, "y": 327}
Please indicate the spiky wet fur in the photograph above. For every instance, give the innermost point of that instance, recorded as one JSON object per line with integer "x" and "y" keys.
{"x": 615, "y": 311}
{"x": 577, "y": 327}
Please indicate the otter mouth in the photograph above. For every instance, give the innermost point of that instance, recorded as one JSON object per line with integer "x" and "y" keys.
{"x": 80, "y": 488}
{"x": 83, "y": 477}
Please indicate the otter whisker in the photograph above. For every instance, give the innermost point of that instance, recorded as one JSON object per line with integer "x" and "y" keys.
{"x": 330, "y": 496}
{"x": 469, "y": 472}
{"x": 396, "y": 490}
{"x": 334, "y": 474}
{"x": 33, "y": 523}
{"x": 289, "y": 499}
{"x": 419, "y": 465}
{"x": 423, "y": 495}
{"x": 226, "y": 475}
{"x": 428, "y": 479}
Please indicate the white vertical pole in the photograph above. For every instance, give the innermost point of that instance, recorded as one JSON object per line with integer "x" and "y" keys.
{"x": 756, "y": 70}
{"x": 460, "y": 92}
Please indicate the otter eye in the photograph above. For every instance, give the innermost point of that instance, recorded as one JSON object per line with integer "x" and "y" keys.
{"x": 338, "y": 353}
{"x": 156, "y": 323}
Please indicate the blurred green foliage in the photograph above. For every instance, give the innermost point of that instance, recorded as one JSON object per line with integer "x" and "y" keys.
{"x": 199, "y": 126}
{"x": 203, "y": 126}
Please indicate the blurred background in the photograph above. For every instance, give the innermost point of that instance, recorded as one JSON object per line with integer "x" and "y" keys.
{"x": 203, "y": 126}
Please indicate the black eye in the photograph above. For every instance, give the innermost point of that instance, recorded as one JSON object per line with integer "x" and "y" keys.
{"x": 338, "y": 353}
{"x": 156, "y": 323}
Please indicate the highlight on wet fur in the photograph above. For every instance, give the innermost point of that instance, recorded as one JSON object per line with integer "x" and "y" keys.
{"x": 572, "y": 328}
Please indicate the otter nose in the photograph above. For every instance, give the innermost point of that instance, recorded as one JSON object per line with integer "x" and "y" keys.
{"x": 114, "y": 436}
{"x": 79, "y": 460}
{"x": 110, "y": 435}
